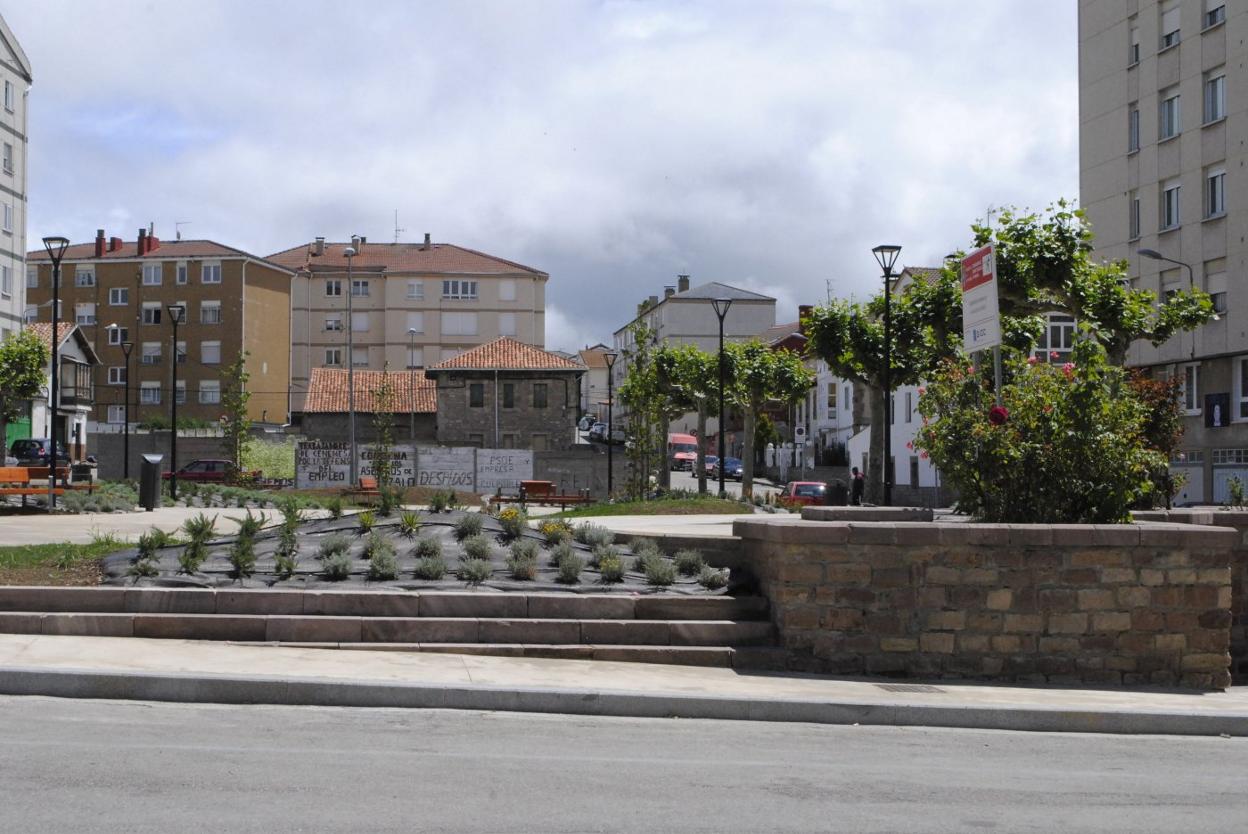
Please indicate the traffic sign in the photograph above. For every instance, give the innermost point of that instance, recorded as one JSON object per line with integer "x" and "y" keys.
{"x": 981, "y": 315}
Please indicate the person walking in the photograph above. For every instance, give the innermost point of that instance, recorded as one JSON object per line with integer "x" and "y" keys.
{"x": 857, "y": 486}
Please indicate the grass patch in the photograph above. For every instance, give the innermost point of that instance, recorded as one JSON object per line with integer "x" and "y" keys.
{"x": 56, "y": 564}
{"x": 671, "y": 506}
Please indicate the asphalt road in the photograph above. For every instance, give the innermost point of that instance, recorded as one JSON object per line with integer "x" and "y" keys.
{"x": 137, "y": 767}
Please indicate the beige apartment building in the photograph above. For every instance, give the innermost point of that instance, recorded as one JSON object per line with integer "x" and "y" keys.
{"x": 412, "y": 305}
{"x": 15, "y": 77}
{"x": 234, "y": 302}
{"x": 1163, "y": 118}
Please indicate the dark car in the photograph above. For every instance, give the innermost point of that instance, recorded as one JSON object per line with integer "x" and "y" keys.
{"x": 35, "y": 451}
{"x": 205, "y": 469}
{"x": 732, "y": 469}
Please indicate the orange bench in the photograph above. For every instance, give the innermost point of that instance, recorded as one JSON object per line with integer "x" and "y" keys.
{"x": 366, "y": 488}
{"x": 540, "y": 492}
{"x": 16, "y": 480}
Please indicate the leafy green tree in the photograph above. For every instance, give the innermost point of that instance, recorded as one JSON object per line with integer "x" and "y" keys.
{"x": 694, "y": 376}
{"x": 23, "y": 374}
{"x": 235, "y": 420}
{"x": 762, "y": 376}
{"x": 384, "y": 398}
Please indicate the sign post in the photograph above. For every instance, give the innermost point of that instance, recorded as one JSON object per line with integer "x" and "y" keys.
{"x": 981, "y": 314}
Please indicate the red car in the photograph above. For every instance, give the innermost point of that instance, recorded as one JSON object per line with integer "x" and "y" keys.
{"x": 805, "y": 492}
{"x": 205, "y": 470}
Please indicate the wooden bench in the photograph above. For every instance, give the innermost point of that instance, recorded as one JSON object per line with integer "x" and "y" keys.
{"x": 16, "y": 480}
{"x": 540, "y": 492}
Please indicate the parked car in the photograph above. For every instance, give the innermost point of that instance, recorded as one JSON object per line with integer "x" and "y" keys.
{"x": 712, "y": 461}
{"x": 598, "y": 431}
{"x": 206, "y": 470}
{"x": 805, "y": 492}
{"x": 35, "y": 451}
{"x": 587, "y": 422}
{"x": 732, "y": 469}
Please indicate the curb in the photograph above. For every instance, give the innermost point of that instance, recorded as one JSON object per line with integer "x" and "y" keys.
{"x": 224, "y": 689}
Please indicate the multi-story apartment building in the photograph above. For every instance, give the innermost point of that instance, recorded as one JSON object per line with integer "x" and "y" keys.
{"x": 413, "y": 305}
{"x": 1163, "y": 116}
{"x": 16, "y": 78}
{"x": 234, "y": 303}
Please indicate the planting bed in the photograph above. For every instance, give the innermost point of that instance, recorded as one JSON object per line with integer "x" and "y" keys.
{"x": 357, "y": 571}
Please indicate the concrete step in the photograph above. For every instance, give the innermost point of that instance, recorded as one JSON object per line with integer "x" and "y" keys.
{"x": 364, "y": 603}
{"x": 723, "y": 656}
{"x": 420, "y": 630}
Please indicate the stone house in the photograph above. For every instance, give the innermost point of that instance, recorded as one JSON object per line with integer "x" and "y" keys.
{"x": 326, "y": 407}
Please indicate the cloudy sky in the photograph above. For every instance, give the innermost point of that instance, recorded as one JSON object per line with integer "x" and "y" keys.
{"x": 612, "y": 144}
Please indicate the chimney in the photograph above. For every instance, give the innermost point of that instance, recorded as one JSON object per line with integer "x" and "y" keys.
{"x": 153, "y": 243}
{"x": 363, "y": 240}
{"x": 428, "y": 242}
{"x": 803, "y": 312}
{"x": 318, "y": 248}
{"x": 114, "y": 243}
{"x": 99, "y": 242}
{"x": 668, "y": 292}
{"x": 140, "y": 246}
{"x": 682, "y": 283}
{"x": 654, "y": 299}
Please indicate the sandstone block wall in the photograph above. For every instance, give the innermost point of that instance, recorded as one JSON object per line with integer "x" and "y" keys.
{"x": 1077, "y": 604}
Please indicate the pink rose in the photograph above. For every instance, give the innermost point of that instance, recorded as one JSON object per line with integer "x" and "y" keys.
{"x": 1031, "y": 360}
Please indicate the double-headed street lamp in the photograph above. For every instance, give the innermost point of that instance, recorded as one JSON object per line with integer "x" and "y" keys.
{"x": 127, "y": 347}
{"x": 56, "y": 247}
{"x": 176, "y": 312}
{"x": 721, "y": 306}
{"x": 609, "y": 357}
{"x": 886, "y": 256}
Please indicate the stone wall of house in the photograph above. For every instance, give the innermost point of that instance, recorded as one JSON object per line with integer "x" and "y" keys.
{"x": 336, "y": 427}
{"x": 1077, "y": 604}
{"x": 525, "y": 425}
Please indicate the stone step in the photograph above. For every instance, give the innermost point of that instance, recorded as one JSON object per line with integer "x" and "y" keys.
{"x": 473, "y": 604}
{"x": 335, "y": 629}
{"x": 723, "y": 656}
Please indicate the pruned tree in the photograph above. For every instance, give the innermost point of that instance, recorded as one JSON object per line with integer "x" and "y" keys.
{"x": 761, "y": 376}
{"x": 384, "y": 398}
{"x": 23, "y": 374}
{"x": 694, "y": 376}
{"x": 235, "y": 418}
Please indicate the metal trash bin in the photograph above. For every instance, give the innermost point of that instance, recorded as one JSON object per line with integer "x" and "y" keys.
{"x": 149, "y": 481}
{"x": 838, "y": 493}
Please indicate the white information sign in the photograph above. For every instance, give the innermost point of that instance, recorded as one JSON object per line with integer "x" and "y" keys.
{"x": 503, "y": 469}
{"x": 438, "y": 466}
{"x": 981, "y": 317}
{"x": 320, "y": 463}
{"x": 402, "y": 464}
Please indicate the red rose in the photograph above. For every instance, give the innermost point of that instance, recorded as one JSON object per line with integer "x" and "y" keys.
{"x": 998, "y": 414}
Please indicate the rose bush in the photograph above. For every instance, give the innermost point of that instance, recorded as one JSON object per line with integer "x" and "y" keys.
{"x": 1066, "y": 445}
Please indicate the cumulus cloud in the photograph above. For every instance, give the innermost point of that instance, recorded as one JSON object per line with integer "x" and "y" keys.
{"x": 612, "y": 144}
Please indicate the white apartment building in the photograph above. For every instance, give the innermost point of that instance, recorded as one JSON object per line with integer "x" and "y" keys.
{"x": 412, "y": 305}
{"x": 1163, "y": 118}
{"x": 16, "y": 78}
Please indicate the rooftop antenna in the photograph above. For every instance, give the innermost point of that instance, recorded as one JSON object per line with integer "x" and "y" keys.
{"x": 177, "y": 228}
{"x": 828, "y": 282}
{"x": 397, "y": 230}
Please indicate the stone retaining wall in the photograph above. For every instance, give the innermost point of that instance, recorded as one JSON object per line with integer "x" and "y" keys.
{"x": 1085, "y": 604}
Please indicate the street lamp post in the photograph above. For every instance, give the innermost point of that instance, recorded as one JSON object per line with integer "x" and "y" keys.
{"x": 609, "y": 357}
{"x": 411, "y": 367}
{"x": 349, "y": 254}
{"x": 176, "y": 312}
{"x": 126, "y": 347}
{"x": 886, "y": 256}
{"x": 56, "y": 247}
{"x": 721, "y": 306}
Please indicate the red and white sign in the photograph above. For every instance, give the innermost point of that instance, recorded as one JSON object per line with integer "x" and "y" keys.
{"x": 981, "y": 317}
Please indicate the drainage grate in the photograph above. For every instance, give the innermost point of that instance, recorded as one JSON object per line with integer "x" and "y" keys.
{"x": 910, "y": 687}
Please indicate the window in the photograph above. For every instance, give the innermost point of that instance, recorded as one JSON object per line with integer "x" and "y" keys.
{"x": 359, "y": 356}
{"x": 179, "y": 392}
{"x": 1215, "y": 15}
{"x": 359, "y": 322}
{"x": 1169, "y": 121}
{"x": 180, "y": 353}
{"x": 150, "y": 353}
{"x": 1219, "y": 301}
{"x": 1133, "y": 42}
{"x": 333, "y": 322}
{"x": 333, "y": 356}
{"x": 8, "y": 96}
{"x": 210, "y": 273}
{"x": 539, "y": 442}
{"x": 181, "y": 273}
{"x": 455, "y": 288}
{"x": 416, "y": 290}
{"x": 506, "y": 324}
{"x": 117, "y": 335}
{"x": 8, "y": 217}
{"x": 831, "y": 402}
{"x": 149, "y": 393}
{"x": 509, "y": 441}
{"x": 914, "y": 471}
{"x": 1133, "y": 215}
{"x": 1215, "y": 95}
{"x": 509, "y": 395}
{"x": 209, "y": 391}
{"x": 359, "y": 288}
{"x": 333, "y": 287}
{"x": 416, "y": 321}
{"x": 476, "y": 395}
{"x": 1170, "y": 205}
{"x": 151, "y": 312}
{"x": 1057, "y": 339}
{"x": 540, "y": 394}
{"x": 1189, "y": 388}
{"x": 83, "y": 313}
{"x": 909, "y": 406}
{"x": 84, "y": 276}
{"x": 1169, "y": 25}
{"x": 6, "y": 281}
{"x": 507, "y": 289}
{"x": 30, "y": 314}
{"x": 1215, "y": 192}
{"x": 119, "y": 296}
{"x": 459, "y": 324}
{"x": 210, "y": 312}
{"x": 210, "y": 353}
{"x": 32, "y": 277}
{"x": 450, "y": 353}
{"x": 8, "y": 158}
{"x": 415, "y": 357}
{"x": 1241, "y": 388}
{"x": 116, "y": 414}
{"x": 117, "y": 375}
{"x": 152, "y": 274}
{"x": 1133, "y": 127}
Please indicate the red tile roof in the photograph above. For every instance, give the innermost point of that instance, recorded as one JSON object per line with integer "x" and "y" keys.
{"x": 165, "y": 251}
{"x": 403, "y": 257}
{"x": 43, "y": 331}
{"x": 506, "y": 354}
{"x": 327, "y": 391}
{"x": 594, "y": 358}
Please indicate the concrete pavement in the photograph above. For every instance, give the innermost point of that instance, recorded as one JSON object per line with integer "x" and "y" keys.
{"x": 83, "y": 528}
{"x": 176, "y": 670}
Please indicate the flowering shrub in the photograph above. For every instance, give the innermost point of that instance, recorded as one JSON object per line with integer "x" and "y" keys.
{"x": 1066, "y": 445}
